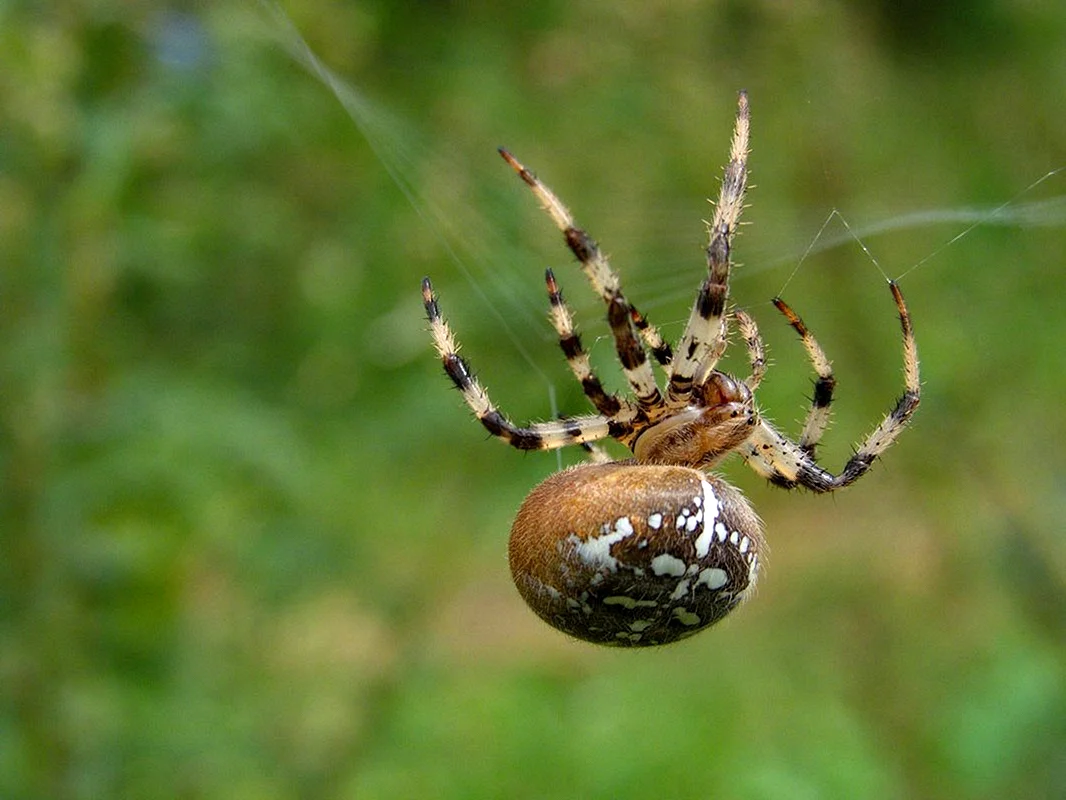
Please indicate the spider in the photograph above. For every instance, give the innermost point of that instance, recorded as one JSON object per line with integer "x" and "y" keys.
{"x": 653, "y": 548}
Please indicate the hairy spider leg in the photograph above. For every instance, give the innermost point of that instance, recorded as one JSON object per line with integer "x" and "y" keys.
{"x": 536, "y": 436}
{"x": 824, "y": 385}
{"x": 749, "y": 332}
{"x": 704, "y": 339}
{"x": 652, "y": 338}
{"x": 606, "y": 283}
{"x": 787, "y": 464}
{"x": 570, "y": 341}
{"x": 604, "y": 279}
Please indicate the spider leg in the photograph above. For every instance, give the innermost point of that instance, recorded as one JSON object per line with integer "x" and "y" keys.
{"x": 704, "y": 338}
{"x": 605, "y": 282}
{"x": 782, "y": 462}
{"x": 818, "y": 417}
{"x": 749, "y": 331}
{"x": 787, "y": 464}
{"x": 652, "y": 338}
{"x": 570, "y": 341}
{"x": 538, "y": 435}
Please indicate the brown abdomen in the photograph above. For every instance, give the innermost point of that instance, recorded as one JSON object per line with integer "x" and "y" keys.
{"x": 634, "y": 555}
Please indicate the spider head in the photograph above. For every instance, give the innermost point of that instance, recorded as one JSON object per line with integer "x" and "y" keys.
{"x": 728, "y": 417}
{"x": 720, "y": 420}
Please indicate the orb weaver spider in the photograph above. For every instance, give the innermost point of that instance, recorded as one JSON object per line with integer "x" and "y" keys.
{"x": 653, "y": 548}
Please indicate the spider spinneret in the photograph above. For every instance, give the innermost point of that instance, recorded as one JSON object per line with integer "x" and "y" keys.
{"x": 654, "y": 548}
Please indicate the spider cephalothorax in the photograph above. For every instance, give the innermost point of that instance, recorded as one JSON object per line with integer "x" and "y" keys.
{"x": 651, "y": 549}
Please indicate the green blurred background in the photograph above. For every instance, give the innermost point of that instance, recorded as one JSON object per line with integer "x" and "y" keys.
{"x": 253, "y": 546}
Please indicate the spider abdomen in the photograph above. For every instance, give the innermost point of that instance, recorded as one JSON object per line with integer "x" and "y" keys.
{"x": 633, "y": 554}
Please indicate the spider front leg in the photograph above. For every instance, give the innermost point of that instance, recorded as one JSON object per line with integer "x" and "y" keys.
{"x": 704, "y": 338}
{"x": 538, "y": 435}
{"x": 788, "y": 464}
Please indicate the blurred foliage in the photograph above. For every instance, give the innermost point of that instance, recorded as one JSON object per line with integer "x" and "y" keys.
{"x": 253, "y": 547}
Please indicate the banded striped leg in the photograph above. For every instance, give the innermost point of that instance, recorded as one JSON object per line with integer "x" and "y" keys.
{"x": 570, "y": 341}
{"x": 605, "y": 282}
{"x": 818, "y": 417}
{"x": 537, "y": 436}
{"x": 654, "y": 341}
{"x": 704, "y": 338}
{"x": 603, "y": 278}
{"x": 787, "y": 464}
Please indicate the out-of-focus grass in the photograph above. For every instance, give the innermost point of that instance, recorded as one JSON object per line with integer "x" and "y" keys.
{"x": 254, "y": 547}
